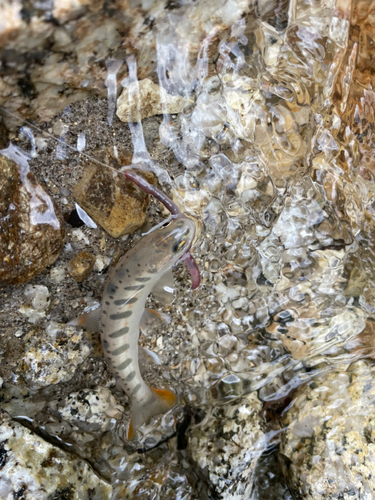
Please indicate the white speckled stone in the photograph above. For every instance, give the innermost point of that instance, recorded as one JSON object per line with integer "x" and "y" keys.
{"x": 38, "y": 298}
{"x": 97, "y": 407}
{"x": 32, "y": 469}
{"x": 329, "y": 442}
{"x": 222, "y": 445}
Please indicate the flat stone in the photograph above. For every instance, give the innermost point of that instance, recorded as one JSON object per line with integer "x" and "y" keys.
{"x": 32, "y": 469}
{"x": 114, "y": 203}
{"x": 81, "y": 266}
{"x": 31, "y": 227}
{"x": 151, "y": 97}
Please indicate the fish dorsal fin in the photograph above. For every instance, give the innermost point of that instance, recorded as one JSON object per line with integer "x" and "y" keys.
{"x": 90, "y": 320}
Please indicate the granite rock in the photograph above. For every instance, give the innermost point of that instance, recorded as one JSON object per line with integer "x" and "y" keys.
{"x": 227, "y": 444}
{"x": 33, "y": 469}
{"x": 327, "y": 449}
{"x": 91, "y": 406}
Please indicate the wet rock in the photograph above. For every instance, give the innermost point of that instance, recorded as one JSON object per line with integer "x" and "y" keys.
{"x": 222, "y": 443}
{"x": 165, "y": 482}
{"x": 81, "y": 266}
{"x": 31, "y": 228}
{"x": 31, "y": 468}
{"x": 52, "y": 355}
{"x": 328, "y": 449}
{"x": 111, "y": 200}
{"x": 91, "y": 406}
{"x": 153, "y": 100}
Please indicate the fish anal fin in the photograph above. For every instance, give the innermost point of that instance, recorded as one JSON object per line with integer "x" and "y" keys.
{"x": 157, "y": 402}
{"x": 162, "y": 316}
{"x": 166, "y": 395}
{"x": 79, "y": 320}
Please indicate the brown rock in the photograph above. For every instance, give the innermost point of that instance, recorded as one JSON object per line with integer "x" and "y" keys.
{"x": 81, "y": 266}
{"x": 111, "y": 200}
{"x": 31, "y": 228}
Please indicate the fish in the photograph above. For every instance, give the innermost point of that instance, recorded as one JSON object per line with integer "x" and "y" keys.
{"x": 123, "y": 305}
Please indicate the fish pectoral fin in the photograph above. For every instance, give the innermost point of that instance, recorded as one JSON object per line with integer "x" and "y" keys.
{"x": 163, "y": 290}
{"x": 150, "y": 319}
{"x": 90, "y": 321}
{"x": 146, "y": 356}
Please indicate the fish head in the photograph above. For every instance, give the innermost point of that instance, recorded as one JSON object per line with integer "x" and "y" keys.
{"x": 171, "y": 242}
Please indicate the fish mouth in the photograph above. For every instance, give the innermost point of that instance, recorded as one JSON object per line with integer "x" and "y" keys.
{"x": 193, "y": 269}
{"x": 187, "y": 258}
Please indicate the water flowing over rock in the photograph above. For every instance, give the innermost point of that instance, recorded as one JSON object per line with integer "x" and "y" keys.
{"x": 31, "y": 227}
{"x": 328, "y": 446}
{"x": 226, "y": 446}
{"x": 257, "y": 118}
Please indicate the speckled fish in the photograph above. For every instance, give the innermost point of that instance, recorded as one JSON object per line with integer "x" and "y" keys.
{"x": 123, "y": 304}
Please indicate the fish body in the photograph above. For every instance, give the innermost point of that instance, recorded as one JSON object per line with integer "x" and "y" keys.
{"x": 123, "y": 305}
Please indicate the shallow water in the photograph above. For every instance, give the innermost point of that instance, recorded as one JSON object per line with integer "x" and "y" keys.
{"x": 273, "y": 158}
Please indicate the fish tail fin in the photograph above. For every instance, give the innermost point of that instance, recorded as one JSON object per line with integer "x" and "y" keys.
{"x": 159, "y": 401}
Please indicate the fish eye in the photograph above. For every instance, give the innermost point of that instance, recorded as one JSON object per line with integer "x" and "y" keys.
{"x": 177, "y": 246}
